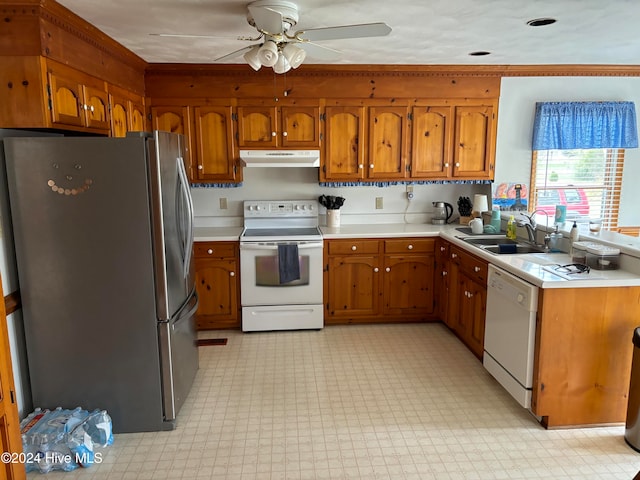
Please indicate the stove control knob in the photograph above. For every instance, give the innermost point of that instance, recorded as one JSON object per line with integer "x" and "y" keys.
{"x": 298, "y": 207}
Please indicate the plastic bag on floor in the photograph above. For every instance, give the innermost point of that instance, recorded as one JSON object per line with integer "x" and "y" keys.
{"x": 63, "y": 439}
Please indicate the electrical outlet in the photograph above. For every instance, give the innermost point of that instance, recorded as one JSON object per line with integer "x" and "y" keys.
{"x": 223, "y": 203}
{"x": 409, "y": 192}
{"x": 379, "y": 203}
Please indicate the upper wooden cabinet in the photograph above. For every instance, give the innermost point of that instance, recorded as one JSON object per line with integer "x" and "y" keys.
{"x": 283, "y": 126}
{"x": 127, "y": 112}
{"x": 473, "y": 142}
{"x": 344, "y": 146}
{"x": 431, "y": 136}
{"x": 454, "y": 141}
{"x": 364, "y": 142}
{"x": 214, "y": 144}
{"x": 387, "y": 142}
{"x": 209, "y": 138}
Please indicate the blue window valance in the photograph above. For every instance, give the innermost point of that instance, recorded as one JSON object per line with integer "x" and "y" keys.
{"x": 582, "y": 125}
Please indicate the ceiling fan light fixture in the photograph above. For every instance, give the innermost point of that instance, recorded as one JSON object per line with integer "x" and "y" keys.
{"x": 294, "y": 55}
{"x": 252, "y": 58}
{"x": 282, "y": 64}
{"x": 268, "y": 54}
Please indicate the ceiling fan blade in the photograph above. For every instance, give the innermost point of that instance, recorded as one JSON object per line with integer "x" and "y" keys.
{"x": 319, "y": 51}
{"x": 237, "y": 53}
{"x": 345, "y": 31}
{"x": 266, "y": 20}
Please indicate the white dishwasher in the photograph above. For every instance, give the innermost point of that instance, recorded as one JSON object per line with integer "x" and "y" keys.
{"x": 510, "y": 331}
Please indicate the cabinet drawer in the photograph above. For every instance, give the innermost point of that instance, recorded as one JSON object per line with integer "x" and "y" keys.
{"x": 342, "y": 247}
{"x": 215, "y": 249}
{"x": 473, "y": 266}
{"x": 410, "y": 245}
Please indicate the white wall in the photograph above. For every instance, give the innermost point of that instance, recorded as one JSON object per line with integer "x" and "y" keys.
{"x": 518, "y": 96}
{"x": 302, "y": 183}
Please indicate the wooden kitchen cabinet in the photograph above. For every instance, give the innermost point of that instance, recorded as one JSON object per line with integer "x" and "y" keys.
{"x": 78, "y": 100}
{"x": 379, "y": 280}
{"x": 474, "y": 142}
{"x": 217, "y": 284}
{"x": 387, "y": 155}
{"x": 345, "y": 145}
{"x": 127, "y": 112}
{"x": 467, "y": 298}
{"x": 214, "y": 159}
{"x": 582, "y": 360}
{"x": 176, "y": 119}
{"x": 453, "y": 141}
{"x": 291, "y": 126}
{"x": 431, "y": 137}
{"x": 364, "y": 142}
{"x": 441, "y": 281}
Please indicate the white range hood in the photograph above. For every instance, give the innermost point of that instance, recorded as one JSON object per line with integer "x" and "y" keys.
{"x": 280, "y": 158}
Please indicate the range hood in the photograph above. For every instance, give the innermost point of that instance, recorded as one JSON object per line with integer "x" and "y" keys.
{"x": 280, "y": 158}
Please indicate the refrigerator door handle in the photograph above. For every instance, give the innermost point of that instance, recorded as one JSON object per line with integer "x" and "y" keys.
{"x": 184, "y": 183}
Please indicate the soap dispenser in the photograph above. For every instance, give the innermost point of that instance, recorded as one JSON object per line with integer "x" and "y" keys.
{"x": 511, "y": 228}
{"x": 554, "y": 240}
{"x": 573, "y": 236}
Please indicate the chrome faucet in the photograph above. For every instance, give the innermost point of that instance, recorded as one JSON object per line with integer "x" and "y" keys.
{"x": 530, "y": 225}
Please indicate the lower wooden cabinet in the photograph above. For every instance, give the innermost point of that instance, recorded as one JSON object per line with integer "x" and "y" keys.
{"x": 467, "y": 277}
{"x": 217, "y": 284}
{"x": 379, "y": 280}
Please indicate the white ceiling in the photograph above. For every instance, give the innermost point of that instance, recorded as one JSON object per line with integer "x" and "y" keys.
{"x": 424, "y": 31}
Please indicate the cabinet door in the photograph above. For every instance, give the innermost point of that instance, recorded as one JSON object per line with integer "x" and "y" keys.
{"x": 214, "y": 140}
{"x": 96, "y": 108}
{"x": 67, "y": 107}
{"x": 441, "y": 280}
{"x": 431, "y": 139}
{"x": 257, "y": 127}
{"x": 472, "y": 315}
{"x": 387, "y": 142}
{"x": 137, "y": 117}
{"x": 343, "y": 157}
{"x": 354, "y": 286}
{"x": 119, "y": 116}
{"x": 300, "y": 127}
{"x": 175, "y": 119}
{"x": 217, "y": 287}
{"x": 408, "y": 284}
{"x": 472, "y": 143}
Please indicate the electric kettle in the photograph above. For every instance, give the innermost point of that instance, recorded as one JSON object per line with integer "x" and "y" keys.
{"x": 442, "y": 212}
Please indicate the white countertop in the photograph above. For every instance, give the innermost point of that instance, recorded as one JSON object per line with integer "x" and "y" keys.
{"x": 216, "y": 234}
{"x": 529, "y": 266}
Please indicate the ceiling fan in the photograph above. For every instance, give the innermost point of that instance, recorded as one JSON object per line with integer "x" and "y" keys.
{"x": 282, "y": 49}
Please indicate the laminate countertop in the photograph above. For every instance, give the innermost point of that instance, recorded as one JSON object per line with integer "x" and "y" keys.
{"x": 536, "y": 268}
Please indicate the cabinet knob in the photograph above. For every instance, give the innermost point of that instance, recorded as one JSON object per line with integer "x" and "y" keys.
{"x": 232, "y": 274}
{"x": 284, "y": 134}
{"x": 454, "y": 255}
{"x": 200, "y": 167}
{"x": 446, "y": 165}
{"x": 476, "y": 269}
{"x": 273, "y": 134}
{"x": 371, "y": 165}
{"x": 444, "y": 273}
{"x": 361, "y": 166}
{"x": 410, "y": 247}
{"x": 388, "y": 269}
{"x": 442, "y": 249}
{"x": 457, "y": 164}
{"x": 354, "y": 248}
{"x": 470, "y": 294}
{"x": 376, "y": 269}
{"x": 210, "y": 251}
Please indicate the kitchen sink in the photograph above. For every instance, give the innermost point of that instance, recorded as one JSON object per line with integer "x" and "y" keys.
{"x": 489, "y": 241}
{"x": 519, "y": 248}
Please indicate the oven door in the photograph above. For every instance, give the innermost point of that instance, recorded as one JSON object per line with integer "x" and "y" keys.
{"x": 259, "y": 275}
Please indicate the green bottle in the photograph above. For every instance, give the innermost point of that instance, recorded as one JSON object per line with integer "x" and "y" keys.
{"x": 511, "y": 228}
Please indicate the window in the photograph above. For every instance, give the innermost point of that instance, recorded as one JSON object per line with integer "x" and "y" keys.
{"x": 587, "y": 181}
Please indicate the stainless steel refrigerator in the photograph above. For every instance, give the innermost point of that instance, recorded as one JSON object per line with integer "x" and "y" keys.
{"x": 103, "y": 238}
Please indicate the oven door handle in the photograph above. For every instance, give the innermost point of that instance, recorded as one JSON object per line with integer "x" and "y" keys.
{"x": 274, "y": 245}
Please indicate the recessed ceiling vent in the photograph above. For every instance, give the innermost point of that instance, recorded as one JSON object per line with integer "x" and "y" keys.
{"x": 541, "y": 22}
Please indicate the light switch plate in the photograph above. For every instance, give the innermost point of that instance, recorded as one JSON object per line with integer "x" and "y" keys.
{"x": 223, "y": 203}
{"x": 379, "y": 205}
